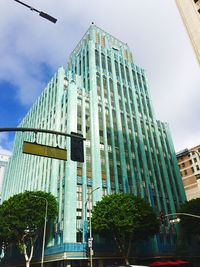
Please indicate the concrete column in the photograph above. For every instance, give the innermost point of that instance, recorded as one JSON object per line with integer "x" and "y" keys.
{"x": 70, "y": 198}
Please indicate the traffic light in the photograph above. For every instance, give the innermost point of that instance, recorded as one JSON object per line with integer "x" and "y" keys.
{"x": 77, "y": 153}
{"x": 162, "y": 217}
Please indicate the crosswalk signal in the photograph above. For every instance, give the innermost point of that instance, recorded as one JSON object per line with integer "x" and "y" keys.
{"x": 77, "y": 152}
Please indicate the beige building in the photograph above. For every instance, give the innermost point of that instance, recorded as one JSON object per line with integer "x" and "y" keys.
{"x": 189, "y": 165}
{"x": 190, "y": 13}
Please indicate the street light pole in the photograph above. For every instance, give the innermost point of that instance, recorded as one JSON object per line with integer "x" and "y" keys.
{"x": 44, "y": 232}
{"x": 90, "y": 224}
{"x": 182, "y": 213}
{"x": 42, "y": 14}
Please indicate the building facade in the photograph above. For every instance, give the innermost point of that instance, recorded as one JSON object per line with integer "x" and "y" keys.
{"x": 190, "y": 13}
{"x": 189, "y": 165}
{"x": 3, "y": 162}
{"x": 104, "y": 95}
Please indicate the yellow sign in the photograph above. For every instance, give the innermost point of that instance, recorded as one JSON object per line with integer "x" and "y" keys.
{"x": 44, "y": 151}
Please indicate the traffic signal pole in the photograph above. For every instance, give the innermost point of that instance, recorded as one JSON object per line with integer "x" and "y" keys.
{"x": 77, "y": 153}
{"x": 35, "y": 130}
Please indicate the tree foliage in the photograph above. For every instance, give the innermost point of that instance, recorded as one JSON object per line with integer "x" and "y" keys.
{"x": 126, "y": 218}
{"x": 22, "y": 218}
{"x": 191, "y": 225}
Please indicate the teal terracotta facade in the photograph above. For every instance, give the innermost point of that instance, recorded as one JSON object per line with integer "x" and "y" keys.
{"x": 104, "y": 95}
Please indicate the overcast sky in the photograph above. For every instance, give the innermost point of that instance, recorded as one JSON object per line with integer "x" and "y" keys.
{"x": 32, "y": 49}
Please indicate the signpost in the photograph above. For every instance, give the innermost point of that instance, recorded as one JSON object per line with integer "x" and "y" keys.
{"x": 90, "y": 242}
{"x": 44, "y": 151}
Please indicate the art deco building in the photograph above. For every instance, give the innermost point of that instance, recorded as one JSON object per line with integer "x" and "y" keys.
{"x": 189, "y": 164}
{"x": 190, "y": 13}
{"x": 104, "y": 95}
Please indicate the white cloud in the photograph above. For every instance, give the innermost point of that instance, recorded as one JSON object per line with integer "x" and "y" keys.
{"x": 3, "y": 140}
{"x": 153, "y": 29}
{"x": 5, "y": 151}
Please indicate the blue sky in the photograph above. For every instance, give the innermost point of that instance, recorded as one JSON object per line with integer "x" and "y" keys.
{"x": 32, "y": 49}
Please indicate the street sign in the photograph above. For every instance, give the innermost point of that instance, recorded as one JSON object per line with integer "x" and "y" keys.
{"x": 44, "y": 151}
{"x": 89, "y": 243}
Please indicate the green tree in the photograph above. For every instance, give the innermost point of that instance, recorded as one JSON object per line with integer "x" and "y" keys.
{"x": 22, "y": 219}
{"x": 125, "y": 218}
{"x": 189, "y": 224}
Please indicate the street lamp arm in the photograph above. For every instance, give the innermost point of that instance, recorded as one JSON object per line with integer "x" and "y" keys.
{"x": 94, "y": 189}
{"x": 31, "y": 8}
{"x": 184, "y": 214}
{"x": 42, "y": 14}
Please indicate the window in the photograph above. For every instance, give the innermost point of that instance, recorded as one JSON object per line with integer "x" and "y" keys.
{"x": 101, "y": 146}
{"x": 79, "y": 127}
{"x": 79, "y": 102}
{"x": 101, "y": 133}
{"x": 122, "y": 71}
{"x": 97, "y": 38}
{"x": 80, "y": 67}
{"x": 116, "y": 68}
{"x": 97, "y": 57}
{"x": 87, "y": 105}
{"x": 126, "y": 54}
{"x": 185, "y": 172}
{"x": 119, "y": 91}
{"x": 103, "y": 41}
{"x": 109, "y": 65}
{"x": 127, "y": 74}
{"x": 103, "y": 61}
{"x": 197, "y": 167}
{"x": 87, "y": 56}
{"x": 83, "y": 64}
{"x": 105, "y": 85}
{"x": 134, "y": 78}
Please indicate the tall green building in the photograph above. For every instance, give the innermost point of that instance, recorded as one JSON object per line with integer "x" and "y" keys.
{"x": 104, "y": 95}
